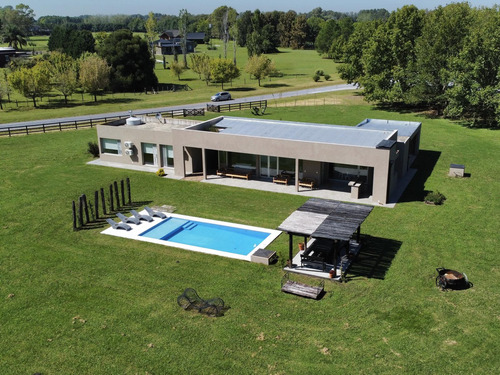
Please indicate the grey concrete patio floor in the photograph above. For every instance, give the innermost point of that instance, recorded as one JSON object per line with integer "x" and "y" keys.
{"x": 323, "y": 192}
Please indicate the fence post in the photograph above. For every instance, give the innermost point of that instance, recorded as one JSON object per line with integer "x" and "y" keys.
{"x": 86, "y": 207}
{"x": 80, "y": 211}
{"x": 74, "y": 215}
{"x": 112, "y": 208}
{"x": 103, "y": 201}
{"x": 117, "y": 195}
{"x": 43, "y": 127}
{"x": 96, "y": 204}
{"x": 128, "y": 189}
{"x": 122, "y": 191}
{"x": 27, "y": 130}
{"x": 91, "y": 123}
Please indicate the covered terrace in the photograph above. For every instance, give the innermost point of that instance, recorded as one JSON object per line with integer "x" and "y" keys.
{"x": 331, "y": 232}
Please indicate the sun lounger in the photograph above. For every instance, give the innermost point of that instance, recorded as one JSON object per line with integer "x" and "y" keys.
{"x": 128, "y": 220}
{"x": 140, "y": 216}
{"x": 153, "y": 213}
{"x": 116, "y": 225}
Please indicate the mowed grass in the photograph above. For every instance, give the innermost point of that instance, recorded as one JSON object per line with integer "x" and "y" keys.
{"x": 297, "y": 68}
{"x": 84, "y": 303}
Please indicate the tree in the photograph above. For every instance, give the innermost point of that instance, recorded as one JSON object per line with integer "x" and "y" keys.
{"x": 94, "y": 74}
{"x": 71, "y": 42}
{"x": 16, "y": 25}
{"x": 299, "y": 32}
{"x": 260, "y": 67}
{"x": 32, "y": 82}
{"x": 285, "y": 27}
{"x": 200, "y": 63}
{"x": 151, "y": 31}
{"x": 223, "y": 70}
{"x": 443, "y": 36}
{"x": 132, "y": 68}
{"x": 475, "y": 73}
{"x": 176, "y": 68}
{"x": 183, "y": 27}
{"x": 329, "y": 30}
{"x": 64, "y": 73}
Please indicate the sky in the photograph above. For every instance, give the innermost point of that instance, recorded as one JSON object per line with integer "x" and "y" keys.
{"x": 109, "y": 7}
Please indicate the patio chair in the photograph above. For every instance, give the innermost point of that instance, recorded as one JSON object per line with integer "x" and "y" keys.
{"x": 139, "y": 216}
{"x": 128, "y": 220}
{"x": 116, "y": 225}
{"x": 190, "y": 300}
{"x": 154, "y": 213}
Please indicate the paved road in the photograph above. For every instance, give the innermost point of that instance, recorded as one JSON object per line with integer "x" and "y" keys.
{"x": 38, "y": 123}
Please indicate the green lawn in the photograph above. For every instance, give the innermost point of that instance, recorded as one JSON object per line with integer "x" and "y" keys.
{"x": 84, "y": 303}
{"x": 297, "y": 68}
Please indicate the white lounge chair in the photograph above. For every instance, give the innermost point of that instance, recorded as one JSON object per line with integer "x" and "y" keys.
{"x": 116, "y": 225}
{"x": 140, "y": 216}
{"x": 128, "y": 220}
{"x": 153, "y": 213}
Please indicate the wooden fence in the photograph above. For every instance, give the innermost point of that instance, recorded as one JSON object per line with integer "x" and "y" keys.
{"x": 89, "y": 123}
{"x": 236, "y": 106}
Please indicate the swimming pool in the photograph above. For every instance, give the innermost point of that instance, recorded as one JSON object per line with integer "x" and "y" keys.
{"x": 202, "y": 235}
{"x": 207, "y": 235}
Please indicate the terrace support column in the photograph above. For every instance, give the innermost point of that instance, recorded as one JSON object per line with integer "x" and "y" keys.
{"x": 204, "y": 163}
{"x": 290, "y": 250}
{"x": 297, "y": 174}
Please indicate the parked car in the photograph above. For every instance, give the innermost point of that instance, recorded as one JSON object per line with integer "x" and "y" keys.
{"x": 224, "y": 95}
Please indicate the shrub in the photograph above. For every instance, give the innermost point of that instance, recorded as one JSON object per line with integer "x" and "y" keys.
{"x": 93, "y": 149}
{"x": 327, "y": 77}
{"x": 316, "y": 77}
{"x": 319, "y": 72}
{"x": 435, "y": 197}
{"x": 160, "y": 172}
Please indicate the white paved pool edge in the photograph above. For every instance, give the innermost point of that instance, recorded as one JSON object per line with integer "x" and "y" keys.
{"x": 134, "y": 234}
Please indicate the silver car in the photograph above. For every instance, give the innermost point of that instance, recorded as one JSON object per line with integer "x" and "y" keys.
{"x": 223, "y": 95}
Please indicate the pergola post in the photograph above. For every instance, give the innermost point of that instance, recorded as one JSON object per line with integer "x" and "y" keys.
{"x": 204, "y": 163}
{"x": 290, "y": 249}
{"x": 297, "y": 174}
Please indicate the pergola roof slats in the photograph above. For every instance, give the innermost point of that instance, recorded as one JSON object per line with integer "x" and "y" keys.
{"x": 326, "y": 219}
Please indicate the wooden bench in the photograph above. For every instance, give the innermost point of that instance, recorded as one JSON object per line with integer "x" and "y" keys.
{"x": 281, "y": 179}
{"x": 300, "y": 289}
{"x": 307, "y": 182}
{"x": 233, "y": 173}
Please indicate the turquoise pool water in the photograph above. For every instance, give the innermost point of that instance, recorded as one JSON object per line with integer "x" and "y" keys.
{"x": 207, "y": 235}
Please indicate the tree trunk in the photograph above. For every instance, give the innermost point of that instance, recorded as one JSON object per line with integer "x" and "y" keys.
{"x": 95, "y": 98}
{"x": 34, "y": 101}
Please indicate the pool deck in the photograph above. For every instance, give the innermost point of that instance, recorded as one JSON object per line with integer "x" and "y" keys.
{"x": 137, "y": 229}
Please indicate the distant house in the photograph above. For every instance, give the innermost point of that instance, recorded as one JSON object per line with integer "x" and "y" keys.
{"x": 198, "y": 38}
{"x": 171, "y": 40}
{"x": 6, "y": 54}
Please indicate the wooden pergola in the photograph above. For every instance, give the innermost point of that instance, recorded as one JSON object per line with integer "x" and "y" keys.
{"x": 325, "y": 220}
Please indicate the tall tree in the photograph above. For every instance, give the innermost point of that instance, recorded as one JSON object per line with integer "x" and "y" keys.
{"x": 151, "y": 32}
{"x": 32, "y": 82}
{"x": 132, "y": 68}
{"x": 285, "y": 27}
{"x": 183, "y": 29}
{"x": 94, "y": 74}
{"x": 475, "y": 73}
{"x": 16, "y": 25}
{"x": 443, "y": 37}
{"x": 299, "y": 32}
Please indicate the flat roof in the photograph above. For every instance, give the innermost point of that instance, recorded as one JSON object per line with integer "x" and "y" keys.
{"x": 404, "y": 128}
{"x": 303, "y": 131}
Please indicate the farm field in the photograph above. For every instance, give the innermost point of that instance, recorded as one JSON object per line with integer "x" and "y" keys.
{"x": 296, "y": 68}
{"x": 81, "y": 302}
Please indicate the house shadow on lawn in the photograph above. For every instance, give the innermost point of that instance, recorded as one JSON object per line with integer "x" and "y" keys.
{"x": 374, "y": 259}
{"x": 424, "y": 164}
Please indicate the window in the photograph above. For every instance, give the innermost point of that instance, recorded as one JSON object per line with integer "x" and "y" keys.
{"x": 111, "y": 146}
{"x": 167, "y": 156}
{"x": 149, "y": 154}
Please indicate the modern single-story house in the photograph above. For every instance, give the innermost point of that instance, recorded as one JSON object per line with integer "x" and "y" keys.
{"x": 167, "y": 46}
{"x": 369, "y": 159}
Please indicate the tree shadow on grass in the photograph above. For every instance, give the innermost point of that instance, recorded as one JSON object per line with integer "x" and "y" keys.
{"x": 275, "y": 85}
{"x": 424, "y": 164}
{"x": 242, "y": 89}
{"x": 374, "y": 258}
